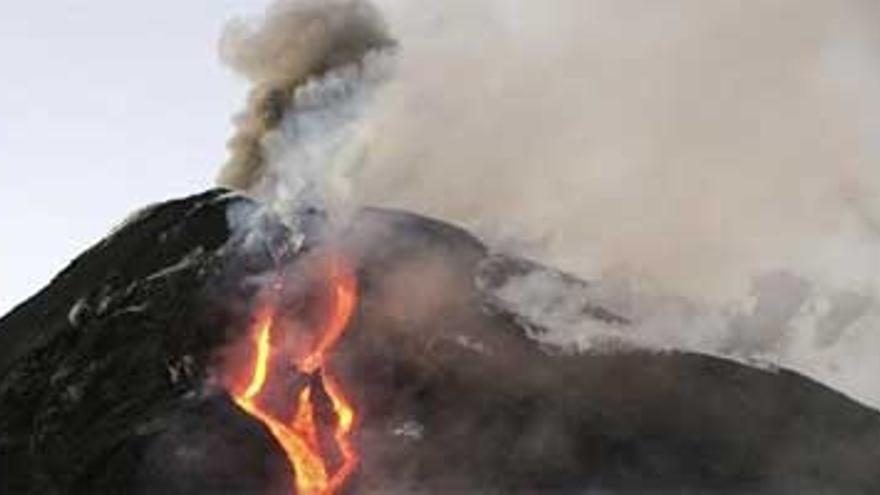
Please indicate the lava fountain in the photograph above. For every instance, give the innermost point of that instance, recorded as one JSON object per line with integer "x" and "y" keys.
{"x": 321, "y": 463}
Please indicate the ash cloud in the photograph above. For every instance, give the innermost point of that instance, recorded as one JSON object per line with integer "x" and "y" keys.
{"x": 712, "y": 165}
{"x": 718, "y": 159}
{"x": 693, "y": 143}
{"x": 309, "y": 62}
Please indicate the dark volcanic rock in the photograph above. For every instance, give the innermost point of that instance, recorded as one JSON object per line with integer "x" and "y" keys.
{"x": 100, "y": 365}
{"x": 106, "y": 381}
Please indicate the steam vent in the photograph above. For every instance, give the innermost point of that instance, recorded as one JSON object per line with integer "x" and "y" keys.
{"x": 185, "y": 355}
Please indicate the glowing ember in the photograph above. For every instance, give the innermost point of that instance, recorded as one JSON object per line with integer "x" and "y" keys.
{"x": 299, "y": 437}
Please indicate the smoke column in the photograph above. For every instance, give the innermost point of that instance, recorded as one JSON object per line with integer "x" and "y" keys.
{"x": 713, "y": 165}
{"x": 313, "y": 65}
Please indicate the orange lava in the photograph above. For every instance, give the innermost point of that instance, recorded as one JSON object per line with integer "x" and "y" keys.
{"x": 299, "y": 437}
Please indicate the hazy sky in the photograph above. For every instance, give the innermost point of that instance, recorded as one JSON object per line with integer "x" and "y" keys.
{"x": 105, "y": 106}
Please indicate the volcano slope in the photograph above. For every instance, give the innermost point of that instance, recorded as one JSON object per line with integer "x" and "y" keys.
{"x": 108, "y": 377}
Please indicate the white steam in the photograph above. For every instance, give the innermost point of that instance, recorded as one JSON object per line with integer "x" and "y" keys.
{"x": 316, "y": 151}
{"x": 313, "y": 65}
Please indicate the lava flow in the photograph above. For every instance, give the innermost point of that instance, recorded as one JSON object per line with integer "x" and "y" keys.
{"x": 300, "y": 435}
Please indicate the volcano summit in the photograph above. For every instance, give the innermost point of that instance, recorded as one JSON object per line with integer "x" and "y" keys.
{"x": 135, "y": 371}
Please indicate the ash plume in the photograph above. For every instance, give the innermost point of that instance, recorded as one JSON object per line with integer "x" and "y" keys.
{"x": 711, "y": 165}
{"x": 296, "y": 43}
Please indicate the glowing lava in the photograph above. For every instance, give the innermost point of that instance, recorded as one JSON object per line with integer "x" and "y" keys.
{"x": 300, "y": 436}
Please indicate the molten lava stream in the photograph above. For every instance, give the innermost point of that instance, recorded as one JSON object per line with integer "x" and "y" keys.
{"x": 299, "y": 436}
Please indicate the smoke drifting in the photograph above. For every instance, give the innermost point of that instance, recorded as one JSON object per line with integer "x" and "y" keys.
{"x": 711, "y": 164}
{"x": 296, "y": 43}
{"x": 694, "y": 143}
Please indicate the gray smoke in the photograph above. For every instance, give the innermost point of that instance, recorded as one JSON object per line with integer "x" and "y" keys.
{"x": 297, "y": 57}
{"x": 712, "y": 164}
{"x": 694, "y": 143}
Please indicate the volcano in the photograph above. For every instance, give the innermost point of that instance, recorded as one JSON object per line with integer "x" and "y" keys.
{"x": 172, "y": 356}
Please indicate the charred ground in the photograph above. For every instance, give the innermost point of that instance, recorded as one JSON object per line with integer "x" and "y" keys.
{"x": 107, "y": 379}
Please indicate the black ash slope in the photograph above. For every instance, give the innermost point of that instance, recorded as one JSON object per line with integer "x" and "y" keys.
{"x": 105, "y": 382}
